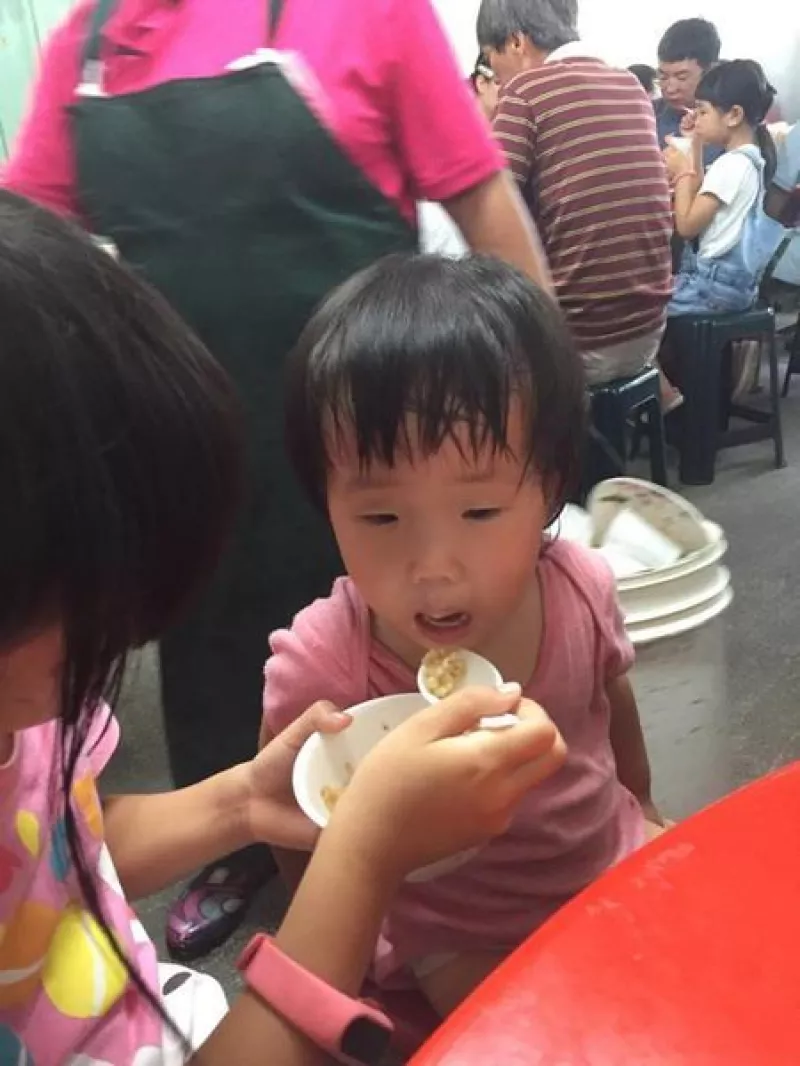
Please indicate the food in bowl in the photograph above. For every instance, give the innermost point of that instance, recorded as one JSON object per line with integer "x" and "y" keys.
{"x": 443, "y": 670}
{"x": 331, "y": 794}
{"x": 330, "y": 759}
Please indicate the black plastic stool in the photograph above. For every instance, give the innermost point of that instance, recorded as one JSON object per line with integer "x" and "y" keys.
{"x": 700, "y": 343}
{"x": 612, "y": 407}
{"x": 793, "y": 366}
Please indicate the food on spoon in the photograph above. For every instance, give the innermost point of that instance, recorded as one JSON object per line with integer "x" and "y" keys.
{"x": 443, "y": 670}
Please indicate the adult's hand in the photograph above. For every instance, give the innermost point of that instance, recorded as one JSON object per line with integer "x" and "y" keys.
{"x": 439, "y": 784}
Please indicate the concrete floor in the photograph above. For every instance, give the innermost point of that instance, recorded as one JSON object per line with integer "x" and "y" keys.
{"x": 719, "y": 710}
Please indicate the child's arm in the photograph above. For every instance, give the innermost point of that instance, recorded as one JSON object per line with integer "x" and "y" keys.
{"x": 158, "y": 839}
{"x": 291, "y": 862}
{"x": 627, "y": 741}
{"x": 443, "y": 785}
{"x": 694, "y": 211}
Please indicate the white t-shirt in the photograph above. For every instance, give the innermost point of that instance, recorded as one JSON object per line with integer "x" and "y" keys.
{"x": 438, "y": 233}
{"x": 735, "y": 179}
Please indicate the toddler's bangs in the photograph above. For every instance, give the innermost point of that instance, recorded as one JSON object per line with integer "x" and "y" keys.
{"x": 417, "y": 350}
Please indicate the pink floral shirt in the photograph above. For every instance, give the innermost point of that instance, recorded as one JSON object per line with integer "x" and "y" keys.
{"x": 64, "y": 996}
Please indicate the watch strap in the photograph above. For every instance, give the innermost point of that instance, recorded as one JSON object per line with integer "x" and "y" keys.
{"x": 350, "y": 1030}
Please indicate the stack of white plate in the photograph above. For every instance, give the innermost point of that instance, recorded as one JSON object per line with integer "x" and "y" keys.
{"x": 666, "y": 557}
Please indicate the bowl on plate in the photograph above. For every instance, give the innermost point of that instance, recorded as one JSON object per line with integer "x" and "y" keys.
{"x": 666, "y": 558}
{"x": 715, "y": 548}
{"x": 669, "y": 514}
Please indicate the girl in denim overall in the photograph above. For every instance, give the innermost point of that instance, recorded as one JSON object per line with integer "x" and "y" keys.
{"x": 720, "y": 213}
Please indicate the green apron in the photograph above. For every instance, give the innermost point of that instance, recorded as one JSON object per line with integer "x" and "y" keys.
{"x": 232, "y": 199}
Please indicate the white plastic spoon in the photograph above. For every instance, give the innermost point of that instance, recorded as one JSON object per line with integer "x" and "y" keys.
{"x": 479, "y": 672}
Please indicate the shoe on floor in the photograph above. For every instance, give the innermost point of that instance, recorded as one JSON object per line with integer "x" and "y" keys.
{"x": 213, "y": 905}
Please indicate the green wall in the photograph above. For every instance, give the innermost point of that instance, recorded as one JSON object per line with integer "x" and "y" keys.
{"x": 24, "y": 25}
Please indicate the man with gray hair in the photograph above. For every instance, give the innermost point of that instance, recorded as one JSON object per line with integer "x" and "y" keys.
{"x": 580, "y": 138}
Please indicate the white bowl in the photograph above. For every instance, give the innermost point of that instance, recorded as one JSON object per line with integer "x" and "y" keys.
{"x": 330, "y": 761}
{"x": 634, "y": 536}
{"x": 670, "y": 514}
{"x": 623, "y": 567}
{"x": 714, "y": 550}
{"x": 573, "y": 524}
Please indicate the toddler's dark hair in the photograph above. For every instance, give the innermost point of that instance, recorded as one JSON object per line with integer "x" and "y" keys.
{"x": 743, "y": 83}
{"x": 450, "y": 342}
{"x": 120, "y": 468}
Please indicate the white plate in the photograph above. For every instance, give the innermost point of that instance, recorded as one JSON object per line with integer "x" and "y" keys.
{"x": 667, "y": 512}
{"x": 622, "y": 566}
{"x": 682, "y": 623}
{"x": 662, "y": 601}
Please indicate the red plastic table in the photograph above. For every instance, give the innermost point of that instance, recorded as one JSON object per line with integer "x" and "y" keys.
{"x": 687, "y": 954}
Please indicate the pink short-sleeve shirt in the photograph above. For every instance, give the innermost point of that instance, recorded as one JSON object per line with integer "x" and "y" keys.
{"x": 565, "y": 833}
{"x": 395, "y": 99}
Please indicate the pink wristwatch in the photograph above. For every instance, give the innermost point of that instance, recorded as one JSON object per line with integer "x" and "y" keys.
{"x": 349, "y": 1030}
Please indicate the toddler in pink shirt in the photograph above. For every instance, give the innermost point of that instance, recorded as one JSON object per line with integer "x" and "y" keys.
{"x": 436, "y": 409}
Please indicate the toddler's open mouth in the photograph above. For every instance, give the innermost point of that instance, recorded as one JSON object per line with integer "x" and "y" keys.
{"x": 447, "y": 628}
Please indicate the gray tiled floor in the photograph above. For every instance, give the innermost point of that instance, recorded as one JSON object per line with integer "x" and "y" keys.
{"x": 719, "y": 711}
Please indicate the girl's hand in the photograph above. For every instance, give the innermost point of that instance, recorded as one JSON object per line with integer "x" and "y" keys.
{"x": 271, "y": 809}
{"x": 438, "y": 784}
{"x": 688, "y": 123}
{"x": 678, "y": 162}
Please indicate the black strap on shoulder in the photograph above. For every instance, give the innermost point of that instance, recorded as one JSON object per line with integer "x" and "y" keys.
{"x": 104, "y": 9}
{"x": 275, "y": 11}
{"x": 93, "y": 48}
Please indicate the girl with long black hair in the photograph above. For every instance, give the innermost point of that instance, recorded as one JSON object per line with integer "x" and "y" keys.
{"x": 120, "y": 465}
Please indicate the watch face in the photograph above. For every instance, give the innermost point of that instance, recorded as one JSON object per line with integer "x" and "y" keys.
{"x": 365, "y": 1041}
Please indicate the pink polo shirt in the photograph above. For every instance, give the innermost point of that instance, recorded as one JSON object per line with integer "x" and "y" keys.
{"x": 565, "y": 833}
{"x": 396, "y": 101}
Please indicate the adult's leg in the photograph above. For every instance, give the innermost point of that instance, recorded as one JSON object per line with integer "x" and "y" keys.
{"x": 282, "y": 557}
{"x": 623, "y": 360}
